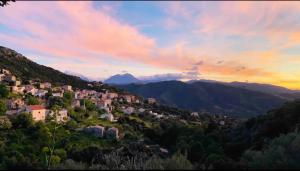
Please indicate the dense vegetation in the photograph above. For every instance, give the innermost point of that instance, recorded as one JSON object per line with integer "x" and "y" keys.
{"x": 209, "y": 97}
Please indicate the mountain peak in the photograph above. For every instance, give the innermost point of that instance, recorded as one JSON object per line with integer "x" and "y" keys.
{"x": 120, "y": 79}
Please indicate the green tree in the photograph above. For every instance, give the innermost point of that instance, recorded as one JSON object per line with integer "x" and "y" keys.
{"x": 2, "y": 108}
{"x": 67, "y": 99}
{"x": 31, "y": 100}
{"x": 55, "y": 101}
{"x": 89, "y": 105}
{"x": 178, "y": 162}
{"x": 282, "y": 153}
{"x": 23, "y": 120}
{"x": 5, "y": 123}
{"x": 3, "y": 91}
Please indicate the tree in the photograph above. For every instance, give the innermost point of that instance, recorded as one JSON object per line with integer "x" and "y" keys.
{"x": 31, "y": 100}
{"x": 55, "y": 101}
{"x": 5, "y": 123}
{"x": 2, "y": 108}
{"x": 23, "y": 120}
{"x": 282, "y": 153}
{"x": 3, "y": 91}
{"x": 68, "y": 97}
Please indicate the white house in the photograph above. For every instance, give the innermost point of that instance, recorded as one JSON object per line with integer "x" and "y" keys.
{"x": 67, "y": 88}
{"x": 45, "y": 85}
{"x": 62, "y": 115}
{"x": 141, "y": 110}
{"x": 58, "y": 94}
{"x": 195, "y": 114}
{"x": 16, "y": 89}
{"x": 151, "y": 100}
{"x": 41, "y": 93}
{"x": 128, "y": 110}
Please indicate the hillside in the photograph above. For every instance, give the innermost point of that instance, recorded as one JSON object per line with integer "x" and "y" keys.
{"x": 26, "y": 69}
{"x": 258, "y": 131}
{"x": 208, "y": 97}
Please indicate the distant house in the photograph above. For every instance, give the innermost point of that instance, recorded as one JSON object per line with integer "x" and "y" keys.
{"x": 38, "y": 112}
{"x": 45, "y": 85}
{"x": 195, "y": 114}
{"x": 17, "y": 89}
{"x": 62, "y": 115}
{"x": 103, "y": 103}
{"x": 129, "y": 110}
{"x": 10, "y": 78}
{"x": 4, "y": 71}
{"x": 14, "y": 104}
{"x": 41, "y": 93}
{"x": 151, "y": 100}
{"x": 67, "y": 88}
{"x": 76, "y": 103}
{"x": 112, "y": 133}
{"x": 58, "y": 94}
{"x": 112, "y": 95}
{"x": 2, "y": 77}
{"x": 128, "y": 98}
{"x": 222, "y": 123}
{"x": 141, "y": 110}
{"x": 30, "y": 89}
{"x": 97, "y": 131}
{"x": 108, "y": 117}
{"x": 15, "y": 83}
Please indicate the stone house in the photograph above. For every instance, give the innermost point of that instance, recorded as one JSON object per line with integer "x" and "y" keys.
{"x": 112, "y": 133}
{"x": 38, "y": 112}
{"x": 97, "y": 131}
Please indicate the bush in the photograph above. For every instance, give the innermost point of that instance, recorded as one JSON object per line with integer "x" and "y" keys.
{"x": 5, "y": 123}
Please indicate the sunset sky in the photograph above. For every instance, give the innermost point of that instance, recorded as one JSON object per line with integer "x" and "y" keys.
{"x": 226, "y": 41}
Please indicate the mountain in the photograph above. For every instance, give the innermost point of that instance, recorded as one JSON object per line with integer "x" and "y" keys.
{"x": 79, "y": 75}
{"x": 26, "y": 69}
{"x": 268, "y": 88}
{"x": 121, "y": 79}
{"x": 208, "y": 97}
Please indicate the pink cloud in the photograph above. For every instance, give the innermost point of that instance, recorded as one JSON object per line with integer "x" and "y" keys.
{"x": 77, "y": 30}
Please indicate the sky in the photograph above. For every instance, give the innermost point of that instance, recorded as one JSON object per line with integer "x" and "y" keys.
{"x": 224, "y": 41}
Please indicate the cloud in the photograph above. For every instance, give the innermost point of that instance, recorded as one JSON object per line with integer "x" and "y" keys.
{"x": 73, "y": 30}
{"x": 96, "y": 37}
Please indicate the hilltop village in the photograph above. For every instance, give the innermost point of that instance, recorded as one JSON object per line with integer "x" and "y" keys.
{"x": 97, "y": 115}
{"x": 43, "y": 101}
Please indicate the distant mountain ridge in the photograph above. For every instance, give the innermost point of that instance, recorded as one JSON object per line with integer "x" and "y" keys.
{"x": 208, "y": 97}
{"x": 270, "y": 89}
